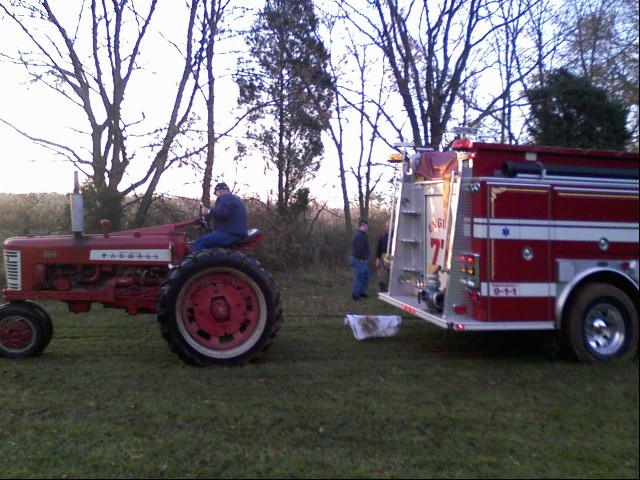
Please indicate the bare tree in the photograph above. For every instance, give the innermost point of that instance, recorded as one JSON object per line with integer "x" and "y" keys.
{"x": 337, "y": 132}
{"x": 435, "y": 53}
{"x": 523, "y": 49}
{"x": 211, "y": 23}
{"x": 352, "y": 101}
{"x": 369, "y": 113}
{"x": 178, "y": 118}
{"x": 96, "y": 81}
{"x": 506, "y": 48}
{"x": 361, "y": 93}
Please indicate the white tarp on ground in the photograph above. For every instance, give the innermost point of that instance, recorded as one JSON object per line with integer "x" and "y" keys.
{"x": 368, "y": 326}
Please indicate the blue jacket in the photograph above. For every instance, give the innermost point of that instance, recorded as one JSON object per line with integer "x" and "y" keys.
{"x": 229, "y": 215}
{"x": 360, "y": 246}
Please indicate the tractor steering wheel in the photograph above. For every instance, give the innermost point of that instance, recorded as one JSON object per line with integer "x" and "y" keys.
{"x": 203, "y": 220}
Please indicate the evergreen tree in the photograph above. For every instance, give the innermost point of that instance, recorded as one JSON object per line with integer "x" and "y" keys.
{"x": 569, "y": 111}
{"x": 287, "y": 92}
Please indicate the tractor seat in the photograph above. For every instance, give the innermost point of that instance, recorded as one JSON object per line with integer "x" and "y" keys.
{"x": 253, "y": 238}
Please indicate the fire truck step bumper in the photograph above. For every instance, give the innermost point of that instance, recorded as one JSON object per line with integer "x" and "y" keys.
{"x": 460, "y": 323}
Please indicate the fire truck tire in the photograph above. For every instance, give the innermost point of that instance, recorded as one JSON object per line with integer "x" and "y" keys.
{"x": 25, "y": 330}
{"x": 219, "y": 307}
{"x": 602, "y": 324}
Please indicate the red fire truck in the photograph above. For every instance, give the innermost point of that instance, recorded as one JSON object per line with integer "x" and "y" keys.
{"x": 492, "y": 237}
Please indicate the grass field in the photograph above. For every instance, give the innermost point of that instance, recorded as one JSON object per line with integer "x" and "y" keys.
{"x": 108, "y": 399}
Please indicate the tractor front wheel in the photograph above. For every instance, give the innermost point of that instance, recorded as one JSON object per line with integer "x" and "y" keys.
{"x": 219, "y": 307}
{"x": 25, "y": 330}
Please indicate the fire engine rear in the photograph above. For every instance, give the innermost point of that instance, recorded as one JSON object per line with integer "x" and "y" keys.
{"x": 492, "y": 237}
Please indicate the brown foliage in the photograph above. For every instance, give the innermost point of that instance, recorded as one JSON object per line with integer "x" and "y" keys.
{"x": 314, "y": 240}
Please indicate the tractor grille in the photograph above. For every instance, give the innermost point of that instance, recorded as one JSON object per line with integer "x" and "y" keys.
{"x": 12, "y": 270}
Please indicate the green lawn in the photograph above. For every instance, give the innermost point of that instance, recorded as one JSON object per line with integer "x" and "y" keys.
{"x": 108, "y": 399}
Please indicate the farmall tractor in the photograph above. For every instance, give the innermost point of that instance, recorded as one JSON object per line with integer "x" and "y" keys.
{"x": 215, "y": 307}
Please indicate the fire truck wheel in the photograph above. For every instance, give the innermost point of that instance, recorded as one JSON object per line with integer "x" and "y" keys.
{"x": 602, "y": 324}
{"x": 25, "y": 330}
{"x": 219, "y": 307}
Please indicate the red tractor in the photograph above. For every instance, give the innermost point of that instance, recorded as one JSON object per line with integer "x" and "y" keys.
{"x": 215, "y": 307}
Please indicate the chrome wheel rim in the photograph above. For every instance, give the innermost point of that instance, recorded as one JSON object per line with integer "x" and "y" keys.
{"x": 604, "y": 329}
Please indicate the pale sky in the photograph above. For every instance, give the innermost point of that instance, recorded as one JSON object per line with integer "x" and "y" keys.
{"x": 41, "y": 112}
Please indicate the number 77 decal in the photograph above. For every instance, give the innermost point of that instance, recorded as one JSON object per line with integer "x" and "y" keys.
{"x": 437, "y": 244}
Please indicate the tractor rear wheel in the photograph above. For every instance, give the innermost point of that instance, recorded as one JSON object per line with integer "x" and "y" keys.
{"x": 219, "y": 307}
{"x": 25, "y": 329}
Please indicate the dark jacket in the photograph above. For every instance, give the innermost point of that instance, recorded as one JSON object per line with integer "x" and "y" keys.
{"x": 383, "y": 243}
{"x": 229, "y": 215}
{"x": 360, "y": 246}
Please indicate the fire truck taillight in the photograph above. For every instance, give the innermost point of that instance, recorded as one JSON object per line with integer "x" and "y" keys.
{"x": 473, "y": 295}
{"x": 460, "y": 309}
{"x": 461, "y": 144}
{"x": 469, "y": 264}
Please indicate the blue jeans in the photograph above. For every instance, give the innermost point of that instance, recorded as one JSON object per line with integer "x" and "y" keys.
{"x": 361, "y": 276}
{"x": 216, "y": 239}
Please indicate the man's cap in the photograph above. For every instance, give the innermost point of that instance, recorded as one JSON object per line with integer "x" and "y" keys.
{"x": 221, "y": 186}
{"x": 363, "y": 222}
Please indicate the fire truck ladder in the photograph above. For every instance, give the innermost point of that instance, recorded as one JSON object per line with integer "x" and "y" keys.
{"x": 408, "y": 259}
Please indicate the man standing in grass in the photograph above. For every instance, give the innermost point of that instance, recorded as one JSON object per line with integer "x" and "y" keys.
{"x": 359, "y": 261}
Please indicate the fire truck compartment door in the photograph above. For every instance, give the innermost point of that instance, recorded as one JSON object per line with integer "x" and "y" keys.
{"x": 519, "y": 285}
